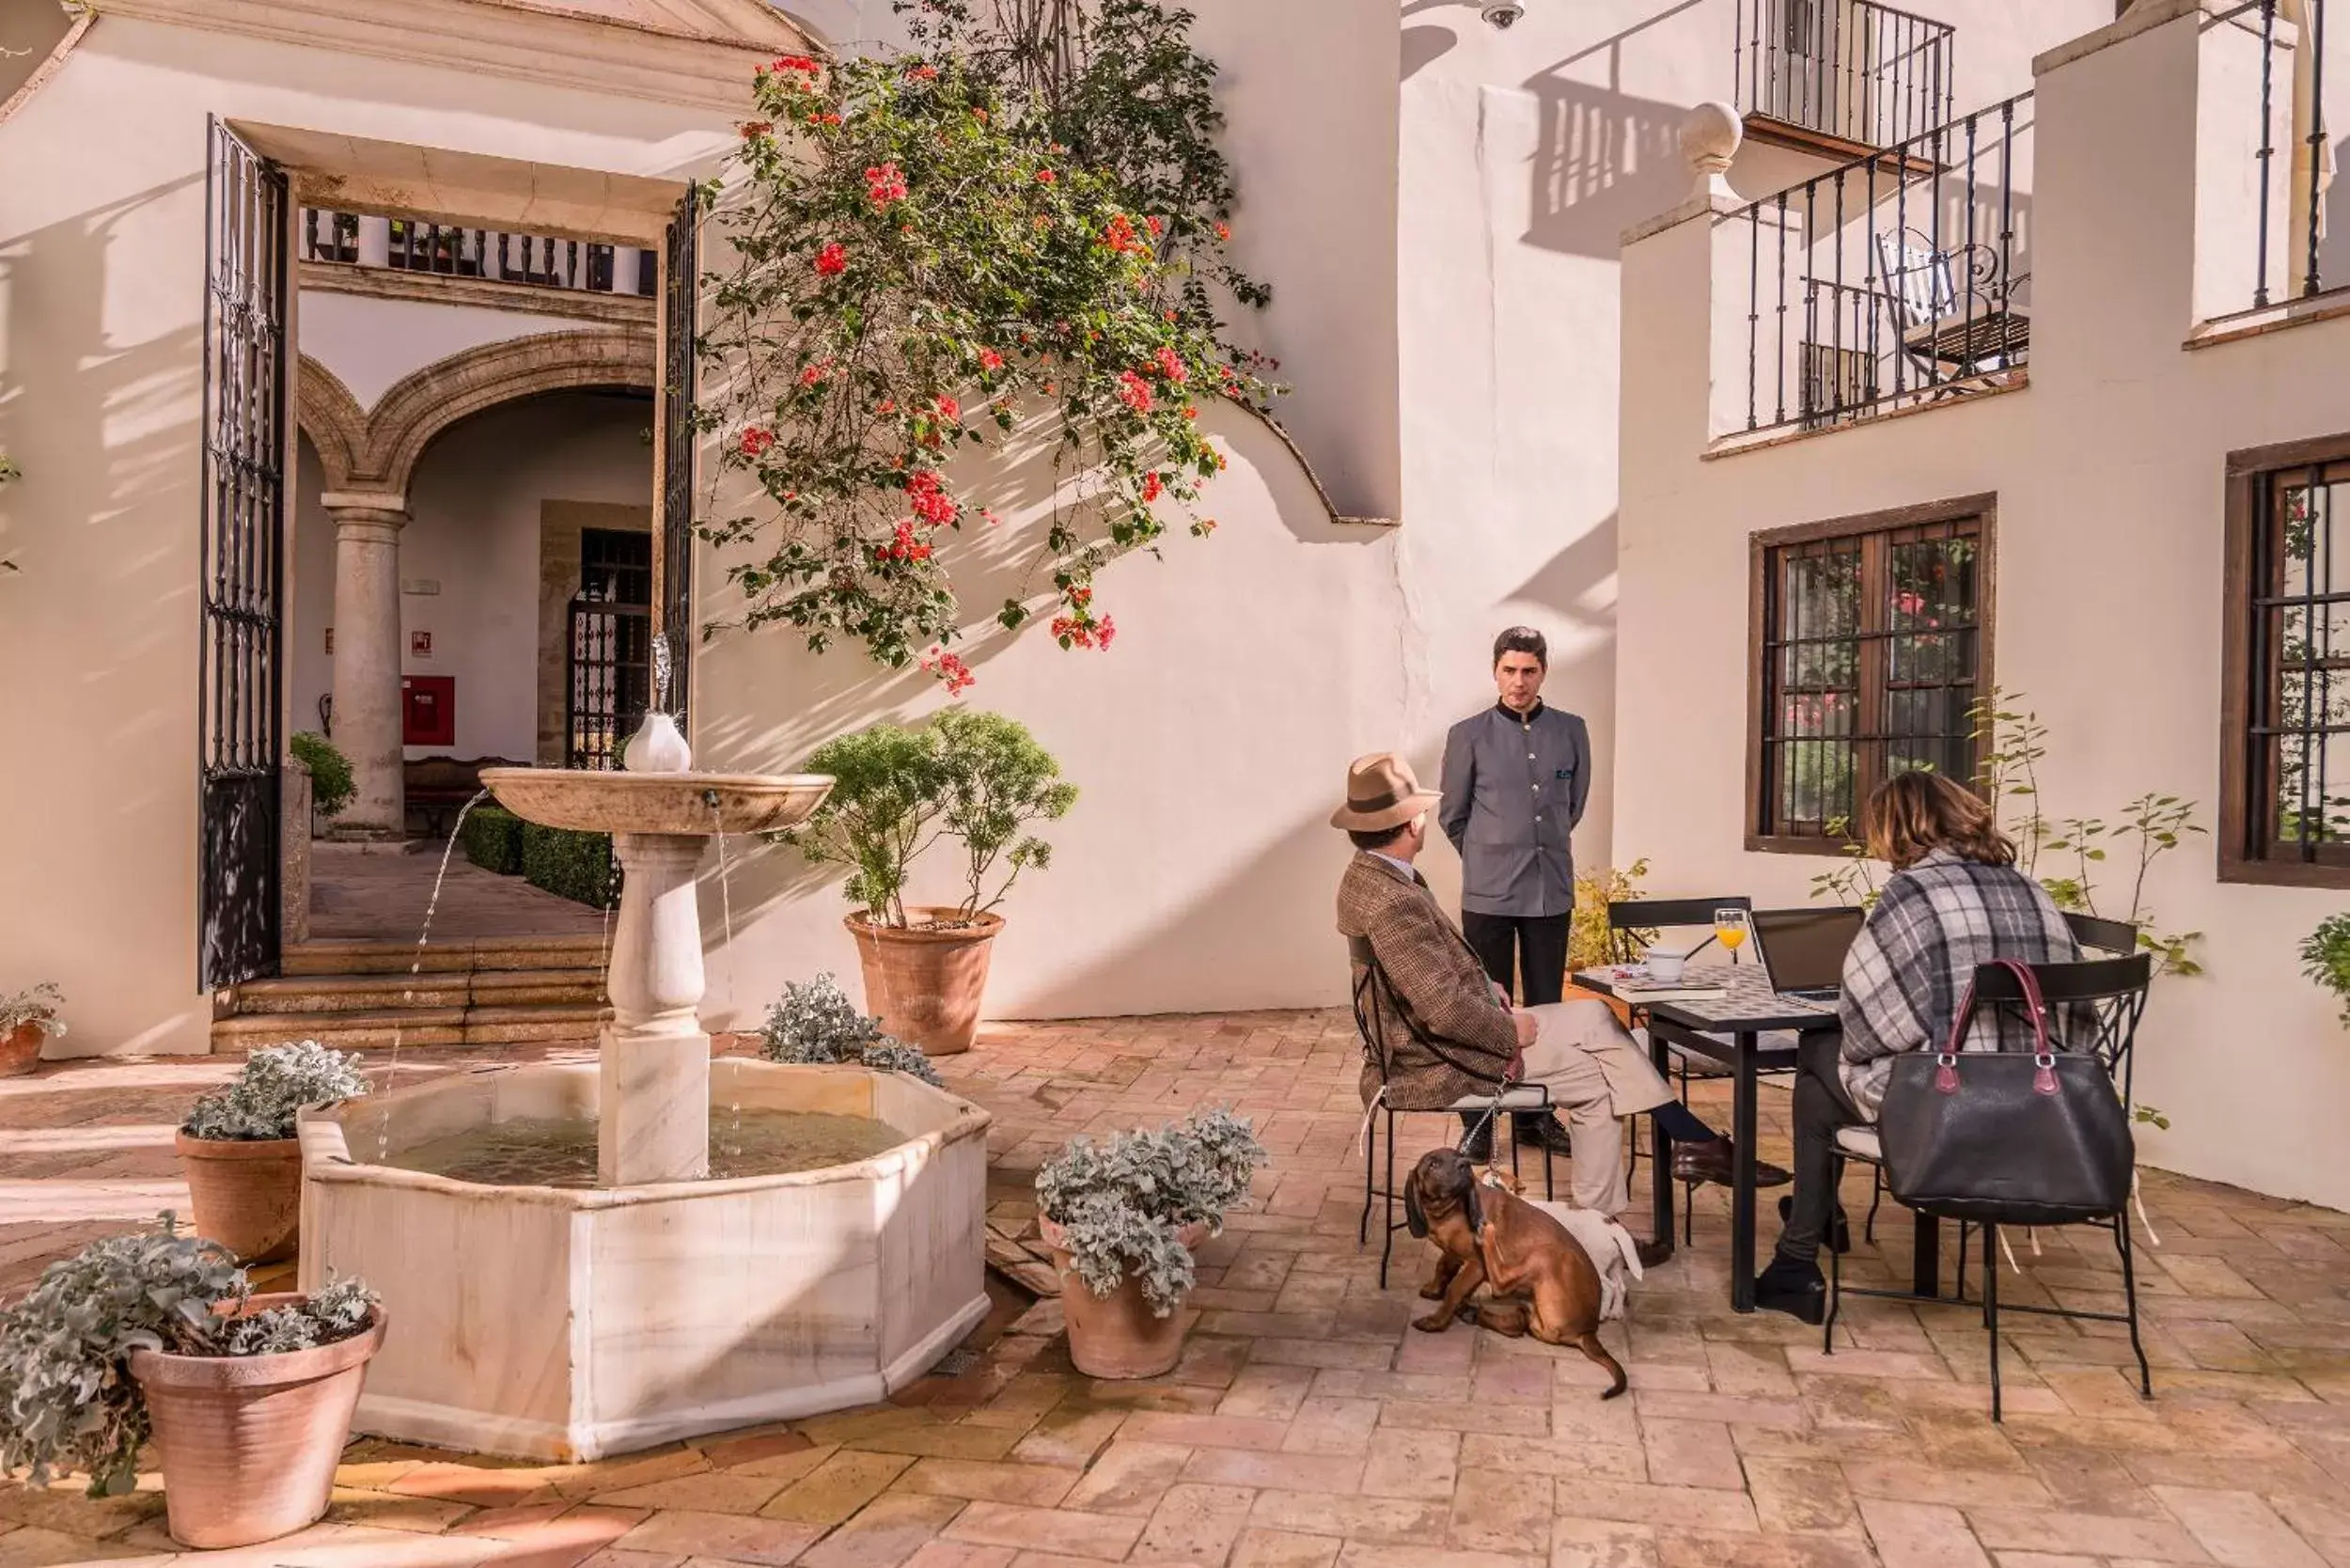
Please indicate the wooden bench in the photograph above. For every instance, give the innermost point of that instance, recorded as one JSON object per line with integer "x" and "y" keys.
{"x": 439, "y": 787}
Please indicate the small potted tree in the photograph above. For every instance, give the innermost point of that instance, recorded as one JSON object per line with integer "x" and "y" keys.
{"x": 978, "y": 779}
{"x": 247, "y": 1398}
{"x": 28, "y": 1021}
{"x": 1122, "y": 1217}
{"x": 242, "y": 1159}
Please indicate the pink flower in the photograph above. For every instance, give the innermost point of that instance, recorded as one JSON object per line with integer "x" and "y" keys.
{"x": 1170, "y": 365}
{"x": 1151, "y": 488}
{"x": 991, "y": 361}
{"x": 1043, "y": 176}
{"x": 1134, "y": 392}
{"x": 948, "y": 408}
{"x": 948, "y": 668}
{"x": 755, "y": 441}
{"x": 885, "y": 184}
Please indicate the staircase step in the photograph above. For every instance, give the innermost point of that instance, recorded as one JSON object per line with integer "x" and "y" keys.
{"x": 377, "y": 956}
{"x": 371, "y": 993}
{"x": 439, "y": 1026}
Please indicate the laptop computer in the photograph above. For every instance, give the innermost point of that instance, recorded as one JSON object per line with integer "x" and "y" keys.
{"x": 1803, "y": 950}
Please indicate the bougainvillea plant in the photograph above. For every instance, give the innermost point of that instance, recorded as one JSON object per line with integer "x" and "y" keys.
{"x": 918, "y": 264}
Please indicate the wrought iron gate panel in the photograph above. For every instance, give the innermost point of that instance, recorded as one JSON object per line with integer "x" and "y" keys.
{"x": 675, "y": 627}
{"x": 607, "y": 679}
{"x": 241, "y": 569}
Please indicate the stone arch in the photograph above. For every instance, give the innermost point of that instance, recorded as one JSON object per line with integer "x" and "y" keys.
{"x": 377, "y": 451}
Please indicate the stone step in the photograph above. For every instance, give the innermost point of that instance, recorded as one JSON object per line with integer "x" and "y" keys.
{"x": 377, "y": 956}
{"x": 411, "y": 1027}
{"x": 433, "y": 988}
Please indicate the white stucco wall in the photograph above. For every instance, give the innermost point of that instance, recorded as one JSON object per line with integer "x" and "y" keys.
{"x": 2107, "y": 470}
{"x": 371, "y": 344}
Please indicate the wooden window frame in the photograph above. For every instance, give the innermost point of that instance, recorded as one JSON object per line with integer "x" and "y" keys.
{"x": 1983, "y": 509}
{"x": 2242, "y": 854}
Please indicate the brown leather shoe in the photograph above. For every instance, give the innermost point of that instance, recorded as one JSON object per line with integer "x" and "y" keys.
{"x": 1653, "y": 1252}
{"x": 1715, "y": 1161}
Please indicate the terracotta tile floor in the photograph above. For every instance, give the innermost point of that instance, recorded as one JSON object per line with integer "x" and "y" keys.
{"x": 379, "y": 893}
{"x": 1308, "y": 1426}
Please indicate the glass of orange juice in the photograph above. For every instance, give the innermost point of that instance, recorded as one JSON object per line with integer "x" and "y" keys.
{"x": 1730, "y": 930}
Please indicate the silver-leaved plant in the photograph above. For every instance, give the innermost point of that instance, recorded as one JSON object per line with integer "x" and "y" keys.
{"x": 1122, "y": 1204}
{"x": 816, "y": 1025}
{"x": 277, "y": 1081}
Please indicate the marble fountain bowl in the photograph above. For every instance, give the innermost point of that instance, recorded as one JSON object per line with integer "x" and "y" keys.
{"x": 568, "y": 1323}
{"x": 685, "y": 804}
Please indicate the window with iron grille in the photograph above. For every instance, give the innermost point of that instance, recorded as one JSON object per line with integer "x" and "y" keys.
{"x": 2285, "y": 790}
{"x": 1871, "y": 640}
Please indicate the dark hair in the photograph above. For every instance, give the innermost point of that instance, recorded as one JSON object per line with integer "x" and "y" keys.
{"x": 1913, "y": 814}
{"x": 1522, "y": 639}
{"x": 1378, "y": 838}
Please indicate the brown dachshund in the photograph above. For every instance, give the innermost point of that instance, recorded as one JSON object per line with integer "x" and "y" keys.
{"x": 1543, "y": 1280}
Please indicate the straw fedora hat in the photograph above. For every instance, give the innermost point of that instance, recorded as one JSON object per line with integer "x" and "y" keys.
{"x": 1381, "y": 793}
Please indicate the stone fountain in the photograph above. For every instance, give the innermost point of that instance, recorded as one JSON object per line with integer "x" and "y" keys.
{"x": 573, "y": 1322}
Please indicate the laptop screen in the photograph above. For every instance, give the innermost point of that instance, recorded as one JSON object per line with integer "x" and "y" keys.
{"x": 1803, "y": 950}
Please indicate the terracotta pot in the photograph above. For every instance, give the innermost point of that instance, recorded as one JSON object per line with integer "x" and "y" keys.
{"x": 1117, "y": 1336}
{"x": 249, "y": 1443}
{"x": 925, "y": 985}
{"x": 247, "y": 1194}
{"x": 20, "y": 1050}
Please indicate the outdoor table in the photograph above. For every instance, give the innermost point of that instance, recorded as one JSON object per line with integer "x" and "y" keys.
{"x": 1729, "y": 1029}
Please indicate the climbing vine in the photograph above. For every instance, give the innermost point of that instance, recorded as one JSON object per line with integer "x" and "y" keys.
{"x": 1017, "y": 228}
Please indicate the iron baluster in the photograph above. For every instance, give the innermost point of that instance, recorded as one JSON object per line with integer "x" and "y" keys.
{"x": 2317, "y": 132}
{"x": 1782, "y": 377}
{"x": 2268, "y": 150}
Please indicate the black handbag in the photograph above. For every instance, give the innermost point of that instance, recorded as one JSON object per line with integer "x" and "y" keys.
{"x": 2006, "y": 1137}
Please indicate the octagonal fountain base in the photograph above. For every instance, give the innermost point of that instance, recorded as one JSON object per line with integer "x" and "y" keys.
{"x": 571, "y": 1324}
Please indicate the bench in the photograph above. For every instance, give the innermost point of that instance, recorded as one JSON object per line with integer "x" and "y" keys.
{"x": 438, "y": 787}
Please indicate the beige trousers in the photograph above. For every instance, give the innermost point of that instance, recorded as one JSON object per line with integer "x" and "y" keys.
{"x": 1596, "y": 1072}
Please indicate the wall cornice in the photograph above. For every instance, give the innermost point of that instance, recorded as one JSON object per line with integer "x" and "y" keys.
{"x": 500, "y": 37}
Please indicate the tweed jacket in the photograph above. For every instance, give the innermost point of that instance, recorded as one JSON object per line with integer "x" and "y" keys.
{"x": 1464, "y": 1037}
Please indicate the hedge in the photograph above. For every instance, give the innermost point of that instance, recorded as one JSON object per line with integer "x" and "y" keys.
{"x": 571, "y": 865}
{"x": 493, "y": 840}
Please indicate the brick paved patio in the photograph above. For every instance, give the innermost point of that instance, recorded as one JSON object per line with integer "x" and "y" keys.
{"x": 1308, "y": 1426}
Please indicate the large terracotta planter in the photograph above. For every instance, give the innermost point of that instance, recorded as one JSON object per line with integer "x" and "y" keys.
{"x": 249, "y": 1443}
{"x": 246, "y": 1194}
{"x": 20, "y": 1050}
{"x": 925, "y": 984}
{"x": 1117, "y": 1336}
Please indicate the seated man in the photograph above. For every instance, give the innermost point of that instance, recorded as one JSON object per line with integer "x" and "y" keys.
{"x": 1452, "y": 1032}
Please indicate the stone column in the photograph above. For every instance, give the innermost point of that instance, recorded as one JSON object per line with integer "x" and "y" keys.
{"x": 367, "y": 660}
{"x": 653, "y": 1097}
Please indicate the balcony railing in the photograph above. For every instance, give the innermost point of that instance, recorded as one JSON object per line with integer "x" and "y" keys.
{"x": 1895, "y": 279}
{"x": 2292, "y": 258}
{"x": 1851, "y": 69}
{"x": 536, "y": 260}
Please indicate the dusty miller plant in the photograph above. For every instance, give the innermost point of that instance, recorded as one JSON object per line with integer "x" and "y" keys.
{"x": 1122, "y": 1204}
{"x": 817, "y": 1024}
{"x": 38, "y": 1006}
{"x": 277, "y": 1081}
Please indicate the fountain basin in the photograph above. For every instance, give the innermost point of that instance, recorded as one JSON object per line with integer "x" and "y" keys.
{"x": 688, "y": 804}
{"x": 572, "y": 1324}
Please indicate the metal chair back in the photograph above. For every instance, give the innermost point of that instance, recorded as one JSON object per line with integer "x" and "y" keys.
{"x": 2096, "y": 1006}
{"x": 2098, "y": 934}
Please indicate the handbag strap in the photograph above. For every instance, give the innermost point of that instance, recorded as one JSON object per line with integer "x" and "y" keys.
{"x": 2044, "y": 1079}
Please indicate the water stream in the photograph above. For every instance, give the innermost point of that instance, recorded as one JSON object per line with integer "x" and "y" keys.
{"x": 415, "y": 966}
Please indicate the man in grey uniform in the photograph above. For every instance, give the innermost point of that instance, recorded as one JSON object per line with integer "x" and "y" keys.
{"x": 1516, "y": 778}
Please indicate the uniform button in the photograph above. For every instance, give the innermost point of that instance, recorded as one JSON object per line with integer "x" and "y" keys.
{"x": 1538, "y": 789}
{"x": 1530, "y": 757}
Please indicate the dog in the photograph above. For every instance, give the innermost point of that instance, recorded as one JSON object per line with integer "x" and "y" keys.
{"x": 1542, "y": 1282}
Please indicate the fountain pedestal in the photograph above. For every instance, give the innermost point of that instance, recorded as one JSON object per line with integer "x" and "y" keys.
{"x": 654, "y": 1125}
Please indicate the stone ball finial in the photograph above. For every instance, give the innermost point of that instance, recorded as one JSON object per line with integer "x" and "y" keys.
{"x": 1709, "y": 138}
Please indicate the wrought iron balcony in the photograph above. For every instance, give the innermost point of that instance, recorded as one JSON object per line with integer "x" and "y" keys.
{"x": 2295, "y": 157}
{"x": 1851, "y": 72}
{"x": 414, "y": 245}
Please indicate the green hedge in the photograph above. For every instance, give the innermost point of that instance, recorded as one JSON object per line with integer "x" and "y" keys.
{"x": 493, "y": 840}
{"x": 576, "y": 866}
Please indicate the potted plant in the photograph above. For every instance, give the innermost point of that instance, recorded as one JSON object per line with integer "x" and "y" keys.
{"x": 817, "y": 1024}
{"x": 331, "y": 782}
{"x": 1122, "y": 1217}
{"x": 247, "y": 1398}
{"x": 2326, "y": 959}
{"x": 28, "y": 1021}
{"x": 243, "y": 1161}
{"x": 978, "y": 779}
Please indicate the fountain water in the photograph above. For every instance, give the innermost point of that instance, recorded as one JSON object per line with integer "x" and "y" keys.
{"x": 544, "y": 1316}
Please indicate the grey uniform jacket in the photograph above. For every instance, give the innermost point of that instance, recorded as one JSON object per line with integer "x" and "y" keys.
{"x": 1514, "y": 790}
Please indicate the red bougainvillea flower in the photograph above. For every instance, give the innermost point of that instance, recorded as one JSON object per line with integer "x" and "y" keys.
{"x": 1190, "y": 413}
{"x": 757, "y": 440}
{"x": 991, "y": 361}
{"x": 948, "y": 408}
{"x": 1043, "y": 176}
{"x": 816, "y": 372}
{"x": 929, "y": 498}
{"x": 988, "y": 515}
{"x": 905, "y": 545}
{"x": 887, "y": 405}
{"x": 753, "y": 129}
{"x": 1155, "y": 225}
{"x": 922, "y": 73}
{"x": 1152, "y": 487}
{"x": 980, "y": 115}
{"x": 794, "y": 65}
{"x": 885, "y": 184}
{"x": 1119, "y": 236}
{"x": 1103, "y": 634}
{"x": 948, "y": 668}
{"x": 832, "y": 261}
{"x": 1224, "y": 232}
{"x": 826, "y": 118}
{"x": 1170, "y": 365}
{"x": 1134, "y": 392}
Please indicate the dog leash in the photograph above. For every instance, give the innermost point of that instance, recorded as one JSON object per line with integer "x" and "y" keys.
{"x": 1483, "y": 1122}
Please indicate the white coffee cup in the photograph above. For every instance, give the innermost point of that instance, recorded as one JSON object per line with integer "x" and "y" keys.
{"x": 1665, "y": 963}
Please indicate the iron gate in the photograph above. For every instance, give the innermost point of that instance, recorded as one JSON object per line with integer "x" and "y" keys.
{"x": 675, "y": 629}
{"x": 241, "y": 568}
{"x": 607, "y": 679}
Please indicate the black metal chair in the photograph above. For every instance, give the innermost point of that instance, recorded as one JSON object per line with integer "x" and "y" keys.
{"x": 1387, "y": 1106}
{"x": 2103, "y": 998}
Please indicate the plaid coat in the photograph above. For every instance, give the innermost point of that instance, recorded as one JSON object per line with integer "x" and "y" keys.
{"x": 1469, "y": 1037}
{"x": 1908, "y": 969}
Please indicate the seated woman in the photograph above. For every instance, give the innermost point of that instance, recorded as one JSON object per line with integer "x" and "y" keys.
{"x": 1954, "y": 901}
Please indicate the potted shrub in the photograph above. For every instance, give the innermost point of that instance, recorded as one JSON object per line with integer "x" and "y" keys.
{"x": 331, "y": 783}
{"x": 1122, "y": 1217}
{"x": 247, "y": 1398}
{"x": 28, "y": 1021}
{"x": 243, "y": 1161}
{"x": 978, "y": 779}
{"x": 817, "y": 1024}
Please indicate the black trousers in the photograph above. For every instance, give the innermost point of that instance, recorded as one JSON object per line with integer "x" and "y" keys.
{"x": 1527, "y": 949}
{"x": 1821, "y": 1107}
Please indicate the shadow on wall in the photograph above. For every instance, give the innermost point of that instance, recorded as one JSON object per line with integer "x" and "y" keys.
{"x": 1605, "y": 161}
{"x": 1575, "y": 583}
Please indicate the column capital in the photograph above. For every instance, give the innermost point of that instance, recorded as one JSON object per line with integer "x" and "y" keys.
{"x": 390, "y": 505}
